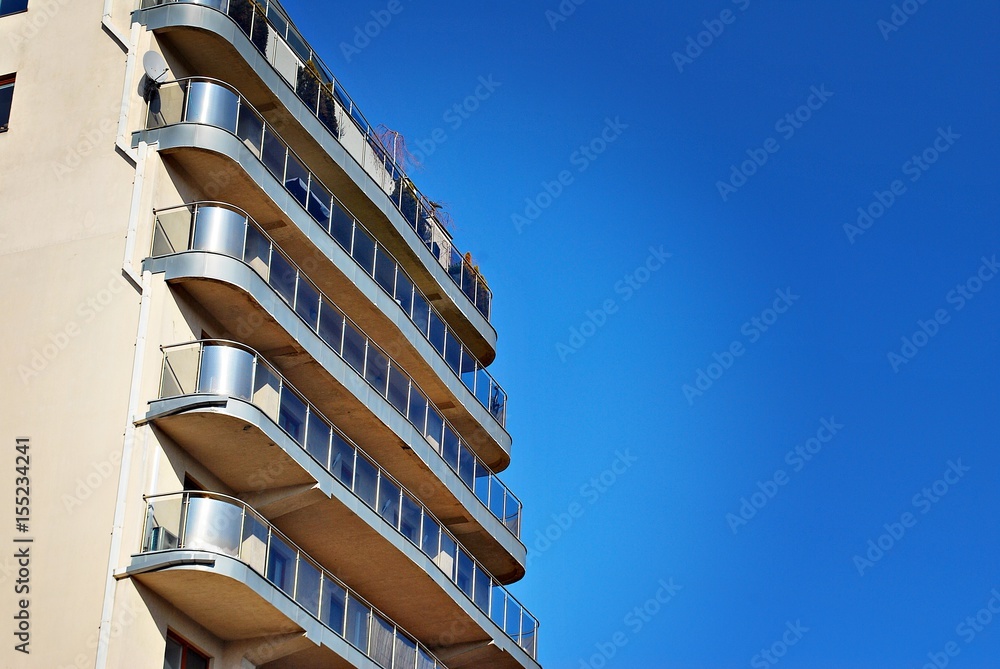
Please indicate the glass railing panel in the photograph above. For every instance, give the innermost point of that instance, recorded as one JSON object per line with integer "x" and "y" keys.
{"x": 406, "y": 651}
{"x": 163, "y": 525}
{"x": 385, "y": 271}
{"x": 498, "y": 605}
{"x": 267, "y": 391}
{"x": 318, "y": 439}
{"x": 355, "y": 344}
{"x": 409, "y": 519}
{"x": 398, "y": 388}
{"x": 342, "y": 456}
{"x": 425, "y": 661}
{"x": 366, "y": 481}
{"x": 253, "y": 547}
{"x": 258, "y": 253}
{"x": 292, "y": 415}
{"x": 282, "y": 278}
{"x": 281, "y": 563}
{"x": 334, "y": 606}
{"x": 381, "y": 640}
{"x": 166, "y": 107}
{"x": 307, "y": 586}
{"x": 388, "y": 502}
{"x": 273, "y": 155}
{"x": 357, "y": 623}
{"x": 179, "y": 375}
{"x": 446, "y": 556}
{"x": 464, "y": 571}
{"x": 364, "y": 250}
{"x": 172, "y": 232}
{"x": 377, "y": 370}
{"x": 307, "y": 303}
{"x": 481, "y": 589}
{"x": 331, "y": 326}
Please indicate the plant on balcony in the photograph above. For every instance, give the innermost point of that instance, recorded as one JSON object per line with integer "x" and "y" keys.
{"x": 241, "y": 11}
{"x": 316, "y": 94}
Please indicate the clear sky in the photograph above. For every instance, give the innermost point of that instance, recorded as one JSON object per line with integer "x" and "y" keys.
{"x": 700, "y": 486}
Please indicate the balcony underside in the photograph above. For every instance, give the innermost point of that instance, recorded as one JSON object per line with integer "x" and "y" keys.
{"x": 235, "y": 603}
{"x": 249, "y": 453}
{"x": 209, "y": 44}
{"x": 249, "y": 309}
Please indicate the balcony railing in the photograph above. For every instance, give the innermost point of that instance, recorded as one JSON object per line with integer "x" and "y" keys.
{"x": 227, "y": 368}
{"x": 220, "y": 524}
{"x": 222, "y": 228}
{"x": 214, "y": 103}
{"x": 269, "y": 29}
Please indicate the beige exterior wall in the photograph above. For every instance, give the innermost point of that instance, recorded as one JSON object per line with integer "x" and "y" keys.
{"x": 70, "y": 317}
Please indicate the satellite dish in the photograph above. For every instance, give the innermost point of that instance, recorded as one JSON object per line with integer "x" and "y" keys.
{"x": 155, "y": 66}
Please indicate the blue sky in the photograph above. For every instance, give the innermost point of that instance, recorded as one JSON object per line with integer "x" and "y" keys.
{"x": 634, "y": 243}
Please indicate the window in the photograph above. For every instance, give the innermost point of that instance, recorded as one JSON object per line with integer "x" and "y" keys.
{"x": 6, "y": 92}
{"x": 182, "y": 655}
{"x": 12, "y": 6}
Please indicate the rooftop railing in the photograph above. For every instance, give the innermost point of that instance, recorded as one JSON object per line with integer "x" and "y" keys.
{"x": 226, "y": 368}
{"x": 220, "y": 524}
{"x": 222, "y": 228}
{"x": 270, "y": 30}
{"x": 211, "y": 102}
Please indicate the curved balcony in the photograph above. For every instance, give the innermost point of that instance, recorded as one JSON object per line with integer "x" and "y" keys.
{"x": 182, "y": 529}
{"x": 228, "y": 369}
{"x": 267, "y": 27}
{"x": 238, "y": 371}
{"x": 222, "y": 228}
{"x": 213, "y": 103}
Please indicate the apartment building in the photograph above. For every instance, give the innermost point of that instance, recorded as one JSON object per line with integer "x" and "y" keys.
{"x": 246, "y": 400}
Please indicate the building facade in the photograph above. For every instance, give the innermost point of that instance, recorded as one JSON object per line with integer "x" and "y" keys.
{"x": 246, "y": 404}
